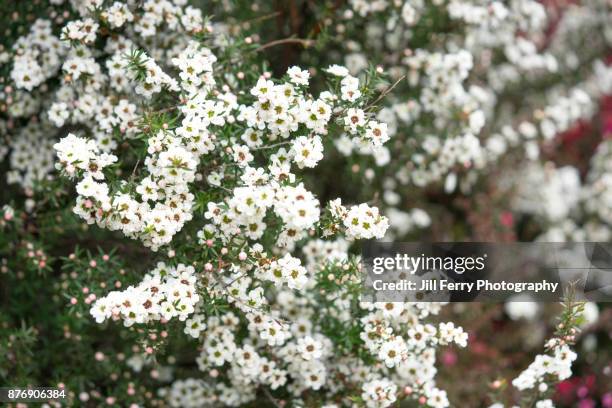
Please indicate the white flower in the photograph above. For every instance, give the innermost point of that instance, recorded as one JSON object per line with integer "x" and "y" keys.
{"x": 354, "y": 119}
{"x": 195, "y": 326}
{"x": 337, "y": 70}
{"x": 409, "y": 14}
{"x": 379, "y": 393}
{"x": 365, "y": 222}
{"x": 81, "y": 30}
{"x": 58, "y": 113}
{"x": 437, "y": 398}
{"x": 307, "y": 152}
{"x": 349, "y": 86}
{"x": 393, "y": 352}
{"x": 377, "y": 133}
{"x": 118, "y": 14}
{"x": 241, "y": 155}
{"x": 263, "y": 89}
{"x": 309, "y": 348}
{"x": 545, "y": 404}
{"x": 298, "y": 76}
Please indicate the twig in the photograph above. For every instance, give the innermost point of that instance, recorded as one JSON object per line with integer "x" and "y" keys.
{"x": 302, "y": 41}
{"x": 385, "y": 92}
{"x": 272, "y": 146}
{"x": 164, "y": 110}
{"x": 271, "y": 398}
{"x": 135, "y": 168}
{"x": 266, "y": 313}
{"x": 221, "y": 187}
{"x": 244, "y": 275}
{"x": 264, "y": 17}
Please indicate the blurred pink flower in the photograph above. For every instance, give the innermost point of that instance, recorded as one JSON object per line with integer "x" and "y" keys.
{"x": 449, "y": 358}
{"x": 507, "y": 219}
{"x": 606, "y": 400}
{"x": 586, "y": 403}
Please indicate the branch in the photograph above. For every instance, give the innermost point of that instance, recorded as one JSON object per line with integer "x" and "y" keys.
{"x": 385, "y": 92}
{"x": 271, "y": 398}
{"x": 272, "y": 146}
{"x": 164, "y": 110}
{"x": 302, "y": 41}
{"x": 263, "y": 18}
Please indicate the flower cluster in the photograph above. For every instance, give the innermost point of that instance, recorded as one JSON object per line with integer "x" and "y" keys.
{"x": 173, "y": 153}
{"x": 597, "y": 194}
{"x": 32, "y": 156}
{"x": 360, "y": 221}
{"x": 38, "y": 56}
{"x": 412, "y": 357}
{"x": 558, "y": 365}
{"x": 562, "y": 112}
{"x": 290, "y": 346}
{"x": 171, "y": 165}
{"x": 379, "y": 393}
{"x": 570, "y": 209}
{"x": 83, "y": 31}
{"x": 460, "y": 122}
{"x": 165, "y": 293}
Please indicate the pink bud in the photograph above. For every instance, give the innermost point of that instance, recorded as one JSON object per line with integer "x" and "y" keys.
{"x": 449, "y": 358}
{"x": 507, "y": 219}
